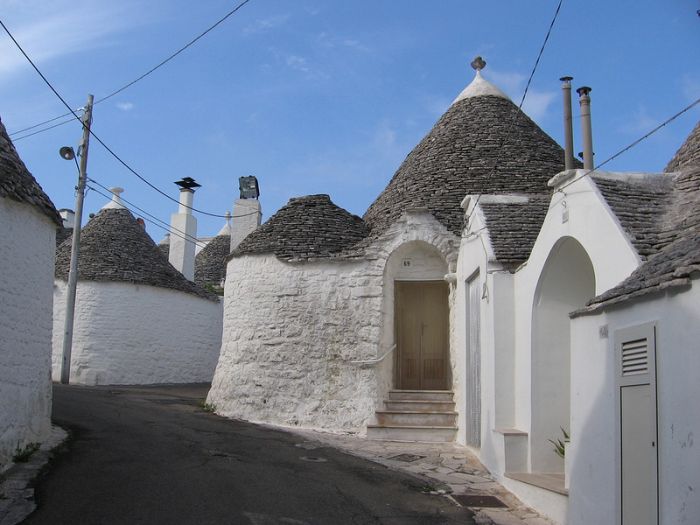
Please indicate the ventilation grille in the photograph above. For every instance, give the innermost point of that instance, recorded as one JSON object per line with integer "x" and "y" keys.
{"x": 635, "y": 357}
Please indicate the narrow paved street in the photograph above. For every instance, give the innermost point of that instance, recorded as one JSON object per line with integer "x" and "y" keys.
{"x": 153, "y": 455}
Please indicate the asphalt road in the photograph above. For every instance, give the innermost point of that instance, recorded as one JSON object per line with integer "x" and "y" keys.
{"x": 153, "y": 455}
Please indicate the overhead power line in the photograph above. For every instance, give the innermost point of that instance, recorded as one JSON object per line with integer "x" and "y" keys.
{"x": 137, "y": 79}
{"x": 632, "y": 144}
{"x": 98, "y": 139}
{"x": 522, "y": 100}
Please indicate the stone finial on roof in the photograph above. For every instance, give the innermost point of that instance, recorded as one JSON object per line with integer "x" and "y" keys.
{"x": 479, "y": 86}
{"x": 478, "y": 63}
{"x": 116, "y": 202}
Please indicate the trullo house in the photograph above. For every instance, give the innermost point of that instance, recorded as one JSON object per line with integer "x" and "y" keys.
{"x": 29, "y": 221}
{"x": 138, "y": 320}
{"x": 345, "y": 323}
{"x": 493, "y": 294}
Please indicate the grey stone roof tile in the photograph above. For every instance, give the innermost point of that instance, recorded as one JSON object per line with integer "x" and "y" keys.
{"x": 18, "y": 184}
{"x": 688, "y": 154}
{"x": 114, "y": 247}
{"x": 482, "y": 144}
{"x": 513, "y": 227}
{"x": 307, "y": 227}
{"x": 210, "y": 262}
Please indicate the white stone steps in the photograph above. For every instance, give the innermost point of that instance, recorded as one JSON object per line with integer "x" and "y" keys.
{"x": 421, "y": 395}
{"x": 427, "y": 434}
{"x": 418, "y": 405}
{"x": 416, "y": 419}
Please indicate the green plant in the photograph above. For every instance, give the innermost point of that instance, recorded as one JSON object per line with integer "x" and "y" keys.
{"x": 23, "y": 454}
{"x": 207, "y": 407}
{"x": 559, "y": 444}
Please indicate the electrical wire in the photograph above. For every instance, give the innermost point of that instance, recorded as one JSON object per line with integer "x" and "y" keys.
{"x": 522, "y": 100}
{"x": 16, "y": 139}
{"x": 104, "y": 145}
{"x": 129, "y": 84}
{"x": 632, "y": 144}
{"x": 154, "y": 222}
{"x": 180, "y": 233}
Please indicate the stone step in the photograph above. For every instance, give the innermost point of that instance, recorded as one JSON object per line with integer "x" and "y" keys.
{"x": 421, "y": 395}
{"x": 428, "y": 434}
{"x": 412, "y": 405}
{"x": 416, "y": 419}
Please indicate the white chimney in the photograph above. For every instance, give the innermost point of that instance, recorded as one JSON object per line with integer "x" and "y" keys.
{"x": 68, "y": 218}
{"x": 247, "y": 213}
{"x": 183, "y": 230}
{"x": 116, "y": 202}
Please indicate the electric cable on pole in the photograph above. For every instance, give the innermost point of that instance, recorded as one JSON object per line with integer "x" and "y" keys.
{"x": 68, "y": 154}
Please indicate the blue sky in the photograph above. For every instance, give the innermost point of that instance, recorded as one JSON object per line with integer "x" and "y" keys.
{"x": 326, "y": 96}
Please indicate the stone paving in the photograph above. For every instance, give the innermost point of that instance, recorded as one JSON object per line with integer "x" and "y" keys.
{"x": 16, "y": 490}
{"x": 447, "y": 468}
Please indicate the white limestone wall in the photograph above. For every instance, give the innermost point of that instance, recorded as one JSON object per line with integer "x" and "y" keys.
{"x": 292, "y": 330}
{"x": 27, "y": 260}
{"x": 137, "y": 334}
{"x": 593, "y": 451}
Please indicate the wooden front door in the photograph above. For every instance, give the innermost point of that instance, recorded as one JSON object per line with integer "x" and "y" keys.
{"x": 422, "y": 340}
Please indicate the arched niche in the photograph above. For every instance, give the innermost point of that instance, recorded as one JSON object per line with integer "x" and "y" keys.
{"x": 566, "y": 283}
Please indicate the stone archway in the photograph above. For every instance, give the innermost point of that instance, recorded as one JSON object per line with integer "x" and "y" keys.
{"x": 413, "y": 281}
{"x": 566, "y": 283}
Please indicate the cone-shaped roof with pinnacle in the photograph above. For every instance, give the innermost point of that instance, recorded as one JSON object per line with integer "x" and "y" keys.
{"x": 483, "y": 144}
{"x": 115, "y": 247}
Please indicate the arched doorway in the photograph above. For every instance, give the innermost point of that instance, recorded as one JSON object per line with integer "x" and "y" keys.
{"x": 566, "y": 283}
{"x": 415, "y": 286}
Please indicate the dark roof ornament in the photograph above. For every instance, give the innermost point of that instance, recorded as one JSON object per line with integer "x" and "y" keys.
{"x": 187, "y": 183}
{"x": 248, "y": 187}
{"x": 478, "y": 64}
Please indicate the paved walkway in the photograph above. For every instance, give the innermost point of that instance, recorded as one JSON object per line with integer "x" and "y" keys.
{"x": 451, "y": 469}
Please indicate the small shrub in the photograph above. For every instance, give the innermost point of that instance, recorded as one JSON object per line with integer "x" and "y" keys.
{"x": 559, "y": 448}
{"x": 22, "y": 455}
{"x": 208, "y": 407}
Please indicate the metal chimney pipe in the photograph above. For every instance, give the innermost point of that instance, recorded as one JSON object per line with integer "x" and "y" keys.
{"x": 568, "y": 125}
{"x": 585, "y": 102}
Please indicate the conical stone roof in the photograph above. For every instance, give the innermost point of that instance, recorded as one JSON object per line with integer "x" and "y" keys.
{"x": 210, "y": 262}
{"x": 482, "y": 145}
{"x": 305, "y": 228}
{"x": 688, "y": 155}
{"x": 114, "y": 247}
{"x": 18, "y": 184}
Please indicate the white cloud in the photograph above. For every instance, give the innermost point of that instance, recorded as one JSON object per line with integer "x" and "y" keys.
{"x": 125, "y": 106}
{"x": 298, "y": 63}
{"x": 332, "y": 41}
{"x": 536, "y": 103}
{"x": 639, "y": 122}
{"x": 66, "y": 30}
{"x": 265, "y": 24}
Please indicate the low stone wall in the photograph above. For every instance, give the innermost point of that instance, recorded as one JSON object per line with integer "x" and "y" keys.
{"x": 291, "y": 332}
{"x": 137, "y": 334}
{"x": 26, "y": 259}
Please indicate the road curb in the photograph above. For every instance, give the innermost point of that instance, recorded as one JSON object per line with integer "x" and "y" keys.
{"x": 16, "y": 484}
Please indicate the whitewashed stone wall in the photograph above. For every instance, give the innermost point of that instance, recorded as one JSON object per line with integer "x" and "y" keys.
{"x": 27, "y": 260}
{"x": 292, "y": 330}
{"x": 137, "y": 334}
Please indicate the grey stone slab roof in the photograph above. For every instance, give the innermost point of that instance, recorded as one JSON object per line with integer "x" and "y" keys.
{"x": 210, "y": 262}
{"x": 639, "y": 203}
{"x": 18, "y": 184}
{"x": 114, "y": 247}
{"x": 677, "y": 261}
{"x": 62, "y": 234}
{"x": 307, "y": 227}
{"x": 165, "y": 250}
{"x": 482, "y": 144}
{"x": 513, "y": 227}
{"x": 688, "y": 154}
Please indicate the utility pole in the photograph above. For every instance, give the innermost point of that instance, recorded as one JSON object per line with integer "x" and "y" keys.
{"x": 75, "y": 247}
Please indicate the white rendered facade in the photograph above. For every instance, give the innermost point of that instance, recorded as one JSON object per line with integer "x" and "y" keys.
{"x": 27, "y": 260}
{"x": 128, "y": 333}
